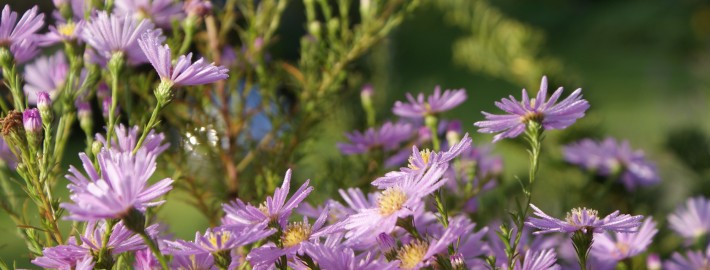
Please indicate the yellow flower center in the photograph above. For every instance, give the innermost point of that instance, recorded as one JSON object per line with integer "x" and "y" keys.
{"x": 623, "y": 248}
{"x": 573, "y": 217}
{"x": 412, "y": 254}
{"x": 426, "y": 155}
{"x": 390, "y": 201}
{"x": 216, "y": 239}
{"x": 67, "y": 29}
{"x": 296, "y": 233}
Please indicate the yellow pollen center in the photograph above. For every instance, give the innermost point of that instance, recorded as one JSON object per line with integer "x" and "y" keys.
{"x": 623, "y": 248}
{"x": 412, "y": 254}
{"x": 426, "y": 155}
{"x": 390, "y": 201}
{"x": 67, "y": 29}
{"x": 218, "y": 238}
{"x": 296, "y": 233}
{"x": 574, "y": 215}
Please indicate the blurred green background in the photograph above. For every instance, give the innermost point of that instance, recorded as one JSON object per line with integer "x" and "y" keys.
{"x": 643, "y": 65}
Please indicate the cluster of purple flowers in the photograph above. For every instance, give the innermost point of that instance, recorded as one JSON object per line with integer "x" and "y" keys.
{"x": 418, "y": 216}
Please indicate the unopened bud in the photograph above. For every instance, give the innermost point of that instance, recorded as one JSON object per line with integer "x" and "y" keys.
{"x": 197, "y": 8}
{"x": 457, "y": 261}
{"x": 653, "y": 262}
{"x": 388, "y": 245}
{"x": 96, "y": 147}
{"x": 83, "y": 111}
{"x": 366, "y": 95}
{"x": 453, "y": 132}
{"x": 32, "y": 121}
{"x": 314, "y": 28}
{"x": 44, "y": 104}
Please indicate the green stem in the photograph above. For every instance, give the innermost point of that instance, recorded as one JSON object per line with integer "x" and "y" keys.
{"x": 151, "y": 123}
{"x": 441, "y": 207}
{"x": 432, "y": 123}
{"x": 154, "y": 248}
{"x": 189, "y": 30}
{"x": 534, "y": 136}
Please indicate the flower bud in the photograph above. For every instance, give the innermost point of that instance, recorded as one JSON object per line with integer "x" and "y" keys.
{"x": 388, "y": 245}
{"x": 453, "y": 132}
{"x": 6, "y": 58}
{"x": 44, "y": 104}
{"x": 197, "y": 8}
{"x": 314, "y": 28}
{"x": 366, "y": 95}
{"x": 457, "y": 261}
{"x": 32, "y": 121}
{"x": 653, "y": 262}
{"x": 96, "y": 147}
{"x": 83, "y": 111}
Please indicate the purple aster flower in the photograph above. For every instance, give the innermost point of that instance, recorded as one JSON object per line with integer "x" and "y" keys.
{"x": 13, "y": 31}
{"x": 161, "y": 12}
{"x": 219, "y": 239}
{"x": 45, "y": 74}
{"x": 121, "y": 187}
{"x": 203, "y": 261}
{"x": 121, "y": 240}
{"x": 294, "y": 239}
{"x": 388, "y": 137}
{"x": 62, "y": 256}
{"x": 401, "y": 199}
{"x": 72, "y": 256}
{"x": 692, "y": 260}
{"x": 109, "y": 34}
{"x": 24, "y": 50}
{"x": 609, "y": 157}
{"x": 32, "y": 121}
{"x": 539, "y": 260}
{"x": 420, "y": 161}
{"x": 340, "y": 257}
{"x": 693, "y": 220}
{"x": 539, "y": 109}
{"x": 609, "y": 250}
{"x": 184, "y": 72}
{"x": 125, "y": 140}
{"x": 419, "y": 254}
{"x": 583, "y": 219}
{"x": 144, "y": 260}
{"x": 436, "y": 103}
{"x": 63, "y": 32}
{"x": 275, "y": 209}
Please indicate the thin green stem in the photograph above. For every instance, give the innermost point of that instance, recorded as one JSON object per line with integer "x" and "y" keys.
{"x": 432, "y": 123}
{"x": 154, "y": 248}
{"x": 151, "y": 123}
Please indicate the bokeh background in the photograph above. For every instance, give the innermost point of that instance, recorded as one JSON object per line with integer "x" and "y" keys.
{"x": 644, "y": 66}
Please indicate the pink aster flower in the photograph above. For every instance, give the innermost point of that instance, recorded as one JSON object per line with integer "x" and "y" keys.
{"x": 583, "y": 219}
{"x": 109, "y": 34}
{"x": 418, "y": 254}
{"x": 294, "y": 240}
{"x": 126, "y": 138}
{"x": 219, "y": 239}
{"x": 611, "y": 157}
{"x": 400, "y": 199}
{"x": 692, "y": 260}
{"x": 275, "y": 209}
{"x": 46, "y": 74}
{"x": 388, "y": 137}
{"x": 548, "y": 112}
{"x": 420, "y": 161}
{"x": 161, "y": 12}
{"x": 184, "y": 72}
{"x": 339, "y": 257}
{"x": 13, "y": 31}
{"x": 693, "y": 220}
{"x": 63, "y": 32}
{"x": 539, "y": 260}
{"x": 121, "y": 187}
{"x": 436, "y": 103}
{"x": 609, "y": 250}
